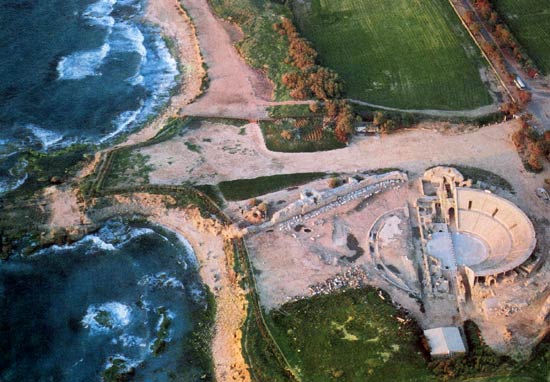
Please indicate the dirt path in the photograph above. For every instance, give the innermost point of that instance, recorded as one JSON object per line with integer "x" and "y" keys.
{"x": 235, "y": 89}
{"x": 473, "y": 113}
{"x": 226, "y": 154}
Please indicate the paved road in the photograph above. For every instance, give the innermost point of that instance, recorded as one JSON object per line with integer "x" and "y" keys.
{"x": 539, "y": 106}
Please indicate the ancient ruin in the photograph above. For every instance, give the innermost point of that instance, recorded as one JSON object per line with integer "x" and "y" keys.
{"x": 439, "y": 244}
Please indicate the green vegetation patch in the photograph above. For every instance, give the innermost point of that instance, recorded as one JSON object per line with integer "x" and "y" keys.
{"x": 349, "y": 336}
{"x": 243, "y": 189}
{"x": 400, "y": 53}
{"x": 119, "y": 370}
{"x": 529, "y": 21}
{"x": 213, "y": 192}
{"x": 159, "y": 344}
{"x": 283, "y": 136}
{"x": 286, "y": 111}
{"x": 193, "y": 147}
{"x": 128, "y": 168}
{"x": 57, "y": 166}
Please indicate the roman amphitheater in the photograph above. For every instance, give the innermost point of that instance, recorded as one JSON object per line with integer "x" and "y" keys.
{"x": 469, "y": 236}
{"x": 444, "y": 248}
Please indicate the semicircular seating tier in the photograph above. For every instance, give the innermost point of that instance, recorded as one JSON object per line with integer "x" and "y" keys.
{"x": 505, "y": 229}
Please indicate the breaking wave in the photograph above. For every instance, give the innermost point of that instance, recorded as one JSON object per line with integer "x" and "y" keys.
{"x": 82, "y": 64}
{"x": 46, "y": 137}
{"x": 106, "y": 317}
{"x": 161, "y": 280}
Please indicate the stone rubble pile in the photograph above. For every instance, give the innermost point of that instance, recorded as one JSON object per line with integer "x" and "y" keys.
{"x": 354, "y": 277}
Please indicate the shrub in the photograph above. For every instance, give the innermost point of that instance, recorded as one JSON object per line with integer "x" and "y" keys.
{"x": 333, "y": 182}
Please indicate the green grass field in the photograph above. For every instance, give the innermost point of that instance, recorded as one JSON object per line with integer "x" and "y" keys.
{"x": 243, "y": 189}
{"x": 529, "y": 21}
{"x": 408, "y": 54}
{"x": 347, "y": 337}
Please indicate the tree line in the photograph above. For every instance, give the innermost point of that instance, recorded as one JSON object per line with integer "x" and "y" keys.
{"x": 310, "y": 80}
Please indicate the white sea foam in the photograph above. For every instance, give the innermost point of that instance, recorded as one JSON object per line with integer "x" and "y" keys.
{"x": 128, "y": 364}
{"x": 161, "y": 280}
{"x": 106, "y": 317}
{"x": 136, "y": 80}
{"x": 168, "y": 313}
{"x": 99, "y": 13}
{"x": 137, "y": 232}
{"x": 82, "y": 64}
{"x": 127, "y": 37}
{"x": 96, "y": 241}
{"x": 189, "y": 251}
{"x": 99, "y": 243}
{"x": 47, "y": 137}
{"x": 128, "y": 340}
{"x": 159, "y": 71}
{"x": 122, "y": 123}
{"x": 9, "y": 185}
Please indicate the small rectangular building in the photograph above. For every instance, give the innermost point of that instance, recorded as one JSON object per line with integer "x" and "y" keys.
{"x": 445, "y": 341}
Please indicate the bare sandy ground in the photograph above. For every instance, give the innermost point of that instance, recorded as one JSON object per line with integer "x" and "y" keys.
{"x": 64, "y": 208}
{"x": 227, "y": 154}
{"x": 288, "y": 262}
{"x": 235, "y": 89}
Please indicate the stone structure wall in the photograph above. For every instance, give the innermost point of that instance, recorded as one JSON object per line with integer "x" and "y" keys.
{"x": 312, "y": 201}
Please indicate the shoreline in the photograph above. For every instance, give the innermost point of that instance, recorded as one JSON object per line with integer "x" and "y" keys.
{"x": 207, "y": 243}
{"x": 179, "y": 28}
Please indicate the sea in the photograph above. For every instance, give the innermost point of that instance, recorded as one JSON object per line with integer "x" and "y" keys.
{"x": 73, "y": 313}
{"x": 75, "y": 71}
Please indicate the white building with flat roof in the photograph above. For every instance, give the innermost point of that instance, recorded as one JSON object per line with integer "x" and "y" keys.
{"x": 445, "y": 341}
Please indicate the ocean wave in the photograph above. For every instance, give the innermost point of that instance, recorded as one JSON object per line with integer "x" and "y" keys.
{"x": 46, "y": 137}
{"x": 127, "y": 37}
{"x": 128, "y": 340}
{"x": 11, "y": 184}
{"x": 189, "y": 252}
{"x": 95, "y": 242}
{"x": 156, "y": 72}
{"x": 159, "y": 70}
{"x": 82, "y": 64}
{"x": 136, "y": 80}
{"x": 161, "y": 280}
{"x": 106, "y": 317}
{"x": 115, "y": 234}
{"x": 123, "y": 123}
{"x": 98, "y": 13}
